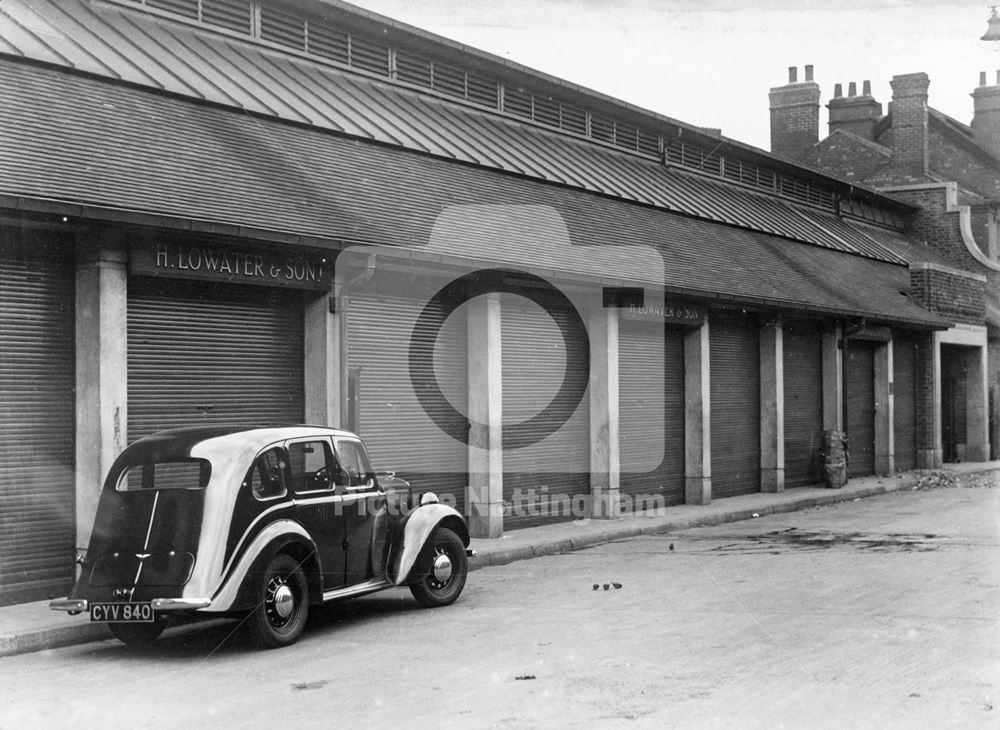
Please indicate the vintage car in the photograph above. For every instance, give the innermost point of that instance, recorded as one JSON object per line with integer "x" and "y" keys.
{"x": 259, "y": 523}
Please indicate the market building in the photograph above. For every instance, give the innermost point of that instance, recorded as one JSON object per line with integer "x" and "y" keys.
{"x": 538, "y": 301}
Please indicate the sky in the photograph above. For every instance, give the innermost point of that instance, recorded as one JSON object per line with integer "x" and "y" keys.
{"x": 712, "y": 63}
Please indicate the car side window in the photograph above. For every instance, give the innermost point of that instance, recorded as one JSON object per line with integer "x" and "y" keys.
{"x": 311, "y": 465}
{"x": 357, "y": 472}
{"x": 267, "y": 475}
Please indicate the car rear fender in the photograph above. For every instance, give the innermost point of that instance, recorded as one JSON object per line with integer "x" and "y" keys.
{"x": 281, "y": 536}
{"x": 414, "y": 533}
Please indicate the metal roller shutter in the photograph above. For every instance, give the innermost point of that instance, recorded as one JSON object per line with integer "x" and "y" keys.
{"x": 37, "y": 373}
{"x": 205, "y": 354}
{"x": 735, "y": 402}
{"x": 651, "y": 412}
{"x": 543, "y": 481}
{"x": 803, "y": 380}
{"x": 904, "y": 383}
{"x": 399, "y": 433}
{"x": 859, "y": 406}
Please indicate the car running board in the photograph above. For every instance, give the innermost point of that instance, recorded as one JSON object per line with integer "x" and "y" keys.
{"x": 357, "y": 590}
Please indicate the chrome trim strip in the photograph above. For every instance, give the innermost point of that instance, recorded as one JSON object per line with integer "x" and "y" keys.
{"x": 376, "y": 584}
{"x": 179, "y": 604}
{"x": 332, "y": 499}
{"x": 73, "y": 605}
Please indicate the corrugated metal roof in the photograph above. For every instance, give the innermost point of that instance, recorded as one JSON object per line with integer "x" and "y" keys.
{"x": 121, "y": 148}
{"x": 130, "y": 45}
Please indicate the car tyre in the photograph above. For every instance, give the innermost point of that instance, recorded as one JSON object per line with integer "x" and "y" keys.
{"x": 283, "y": 603}
{"x": 139, "y": 634}
{"x": 447, "y": 568}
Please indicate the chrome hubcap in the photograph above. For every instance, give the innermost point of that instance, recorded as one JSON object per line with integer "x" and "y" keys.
{"x": 442, "y": 568}
{"x": 283, "y": 601}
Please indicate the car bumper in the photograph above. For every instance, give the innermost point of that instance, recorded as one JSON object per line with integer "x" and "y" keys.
{"x": 74, "y": 606}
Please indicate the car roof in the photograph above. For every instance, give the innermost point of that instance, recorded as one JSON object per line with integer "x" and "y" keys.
{"x": 178, "y": 442}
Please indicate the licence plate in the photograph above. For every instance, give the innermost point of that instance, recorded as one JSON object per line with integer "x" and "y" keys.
{"x": 121, "y": 612}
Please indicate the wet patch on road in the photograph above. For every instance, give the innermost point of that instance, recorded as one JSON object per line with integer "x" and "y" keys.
{"x": 794, "y": 539}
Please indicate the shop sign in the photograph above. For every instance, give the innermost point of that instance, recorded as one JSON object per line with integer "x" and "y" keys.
{"x": 672, "y": 312}
{"x": 298, "y": 270}
{"x": 871, "y": 333}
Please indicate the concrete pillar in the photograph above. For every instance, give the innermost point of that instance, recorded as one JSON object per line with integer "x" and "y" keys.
{"x": 885, "y": 460}
{"x": 772, "y": 408}
{"x": 485, "y": 497}
{"x": 933, "y": 458}
{"x": 977, "y": 406}
{"x": 605, "y": 463}
{"x": 101, "y": 373}
{"x": 697, "y": 418}
{"x": 325, "y": 366}
{"x": 833, "y": 381}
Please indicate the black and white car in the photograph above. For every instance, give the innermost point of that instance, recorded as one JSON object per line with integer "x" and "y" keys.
{"x": 260, "y": 523}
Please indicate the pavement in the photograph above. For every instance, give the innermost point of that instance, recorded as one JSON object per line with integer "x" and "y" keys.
{"x": 29, "y": 627}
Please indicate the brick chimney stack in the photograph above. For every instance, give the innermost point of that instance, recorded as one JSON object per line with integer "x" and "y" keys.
{"x": 986, "y": 115}
{"x": 854, "y": 113}
{"x": 908, "y": 108}
{"x": 795, "y": 115}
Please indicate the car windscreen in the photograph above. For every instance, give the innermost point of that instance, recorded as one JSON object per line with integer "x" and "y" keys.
{"x": 179, "y": 474}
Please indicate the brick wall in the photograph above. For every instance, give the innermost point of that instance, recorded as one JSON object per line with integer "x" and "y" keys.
{"x": 965, "y": 163}
{"x": 848, "y": 157}
{"x": 958, "y": 298}
{"x": 936, "y": 227}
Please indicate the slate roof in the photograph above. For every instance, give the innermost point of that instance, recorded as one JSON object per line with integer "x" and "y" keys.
{"x": 113, "y": 113}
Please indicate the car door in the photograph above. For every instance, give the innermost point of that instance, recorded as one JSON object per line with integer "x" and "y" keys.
{"x": 312, "y": 468}
{"x": 365, "y": 515}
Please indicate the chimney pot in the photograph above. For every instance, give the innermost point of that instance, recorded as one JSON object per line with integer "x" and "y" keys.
{"x": 809, "y": 72}
{"x": 986, "y": 116}
{"x": 794, "y": 115}
{"x": 910, "y": 145}
{"x": 866, "y": 88}
{"x": 855, "y": 114}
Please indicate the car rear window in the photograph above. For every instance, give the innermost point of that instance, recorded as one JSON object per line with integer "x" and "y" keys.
{"x": 183, "y": 474}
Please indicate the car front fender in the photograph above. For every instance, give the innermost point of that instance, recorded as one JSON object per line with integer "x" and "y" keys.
{"x": 414, "y": 533}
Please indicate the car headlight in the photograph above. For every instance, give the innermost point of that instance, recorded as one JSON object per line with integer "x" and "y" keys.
{"x": 428, "y": 498}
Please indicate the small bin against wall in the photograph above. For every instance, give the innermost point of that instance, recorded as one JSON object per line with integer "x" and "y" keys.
{"x": 834, "y": 459}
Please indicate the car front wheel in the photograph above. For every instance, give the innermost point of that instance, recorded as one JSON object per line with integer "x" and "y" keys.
{"x": 448, "y": 569}
{"x": 283, "y": 603}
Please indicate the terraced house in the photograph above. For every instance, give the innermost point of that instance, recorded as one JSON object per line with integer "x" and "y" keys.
{"x": 534, "y": 299}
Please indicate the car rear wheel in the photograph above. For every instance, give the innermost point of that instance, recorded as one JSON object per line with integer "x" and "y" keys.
{"x": 139, "y": 634}
{"x": 283, "y": 603}
{"x": 448, "y": 568}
